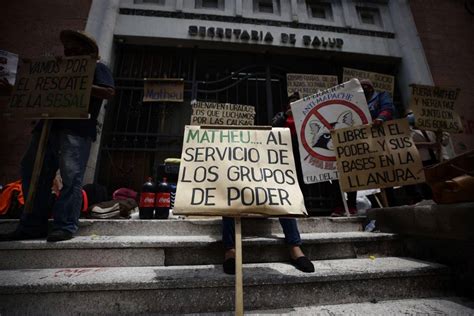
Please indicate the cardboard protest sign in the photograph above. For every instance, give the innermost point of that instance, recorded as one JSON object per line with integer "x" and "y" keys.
{"x": 163, "y": 90}
{"x": 381, "y": 82}
{"x": 434, "y": 108}
{"x": 315, "y": 116}
{"x": 8, "y": 66}
{"x": 211, "y": 113}
{"x": 53, "y": 87}
{"x": 238, "y": 172}
{"x": 309, "y": 84}
{"x": 370, "y": 157}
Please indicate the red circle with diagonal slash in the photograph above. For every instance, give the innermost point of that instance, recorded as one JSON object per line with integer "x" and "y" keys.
{"x": 315, "y": 112}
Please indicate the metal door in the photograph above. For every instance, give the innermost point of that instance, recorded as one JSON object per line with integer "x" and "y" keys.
{"x": 138, "y": 136}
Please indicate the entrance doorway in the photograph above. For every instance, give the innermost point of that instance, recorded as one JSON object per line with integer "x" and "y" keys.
{"x": 137, "y": 136}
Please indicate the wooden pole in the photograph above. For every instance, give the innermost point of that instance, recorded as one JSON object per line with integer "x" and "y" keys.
{"x": 163, "y": 118}
{"x": 239, "y": 289}
{"x": 344, "y": 201}
{"x": 37, "y": 166}
{"x": 439, "y": 145}
{"x": 383, "y": 197}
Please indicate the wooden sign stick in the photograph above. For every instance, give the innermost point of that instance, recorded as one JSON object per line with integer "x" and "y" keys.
{"x": 239, "y": 289}
{"x": 37, "y": 166}
{"x": 383, "y": 197}
{"x": 344, "y": 202}
{"x": 439, "y": 145}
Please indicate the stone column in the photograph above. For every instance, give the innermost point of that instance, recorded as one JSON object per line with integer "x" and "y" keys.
{"x": 294, "y": 10}
{"x": 414, "y": 67}
{"x": 238, "y": 7}
{"x": 101, "y": 24}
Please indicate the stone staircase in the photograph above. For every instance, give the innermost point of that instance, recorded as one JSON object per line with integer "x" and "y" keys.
{"x": 174, "y": 267}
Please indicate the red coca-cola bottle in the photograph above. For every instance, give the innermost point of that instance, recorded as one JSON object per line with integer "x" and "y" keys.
{"x": 163, "y": 200}
{"x": 147, "y": 200}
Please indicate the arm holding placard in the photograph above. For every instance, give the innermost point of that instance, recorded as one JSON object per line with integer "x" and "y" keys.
{"x": 385, "y": 108}
{"x": 381, "y": 109}
{"x": 102, "y": 92}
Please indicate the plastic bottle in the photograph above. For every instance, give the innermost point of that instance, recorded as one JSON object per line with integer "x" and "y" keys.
{"x": 147, "y": 200}
{"x": 370, "y": 226}
{"x": 163, "y": 199}
{"x": 173, "y": 194}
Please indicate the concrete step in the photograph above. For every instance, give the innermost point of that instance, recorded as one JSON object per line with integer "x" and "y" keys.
{"x": 194, "y": 289}
{"x": 126, "y": 251}
{"x": 425, "y": 306}
{"x": 202, "y": 227}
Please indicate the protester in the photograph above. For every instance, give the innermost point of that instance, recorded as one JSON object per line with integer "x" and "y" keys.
{"x": 67, "y": 149}
{"x": 428, "y": 147}
{"x": 289, "y": 225}
{"x": 381, "y": 110}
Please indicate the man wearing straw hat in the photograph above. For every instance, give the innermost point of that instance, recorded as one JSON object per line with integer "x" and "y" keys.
{"x": 68, "y": 148}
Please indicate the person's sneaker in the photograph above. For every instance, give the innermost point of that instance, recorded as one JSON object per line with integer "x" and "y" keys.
{"x": 353, "y": 211}
{"x": 20, "y": 235}
{"x": 338, "y": 212}
{"x": 303, "y": 264}
{"x": 59, "y": 235}
{"x": 229, "y": 266}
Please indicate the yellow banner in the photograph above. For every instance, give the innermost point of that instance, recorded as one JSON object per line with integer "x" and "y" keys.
{"x": 434, "y": 108}
{"x": 211, "y": 113}
{"x": 370, "y": 157}
{"x": 381, "y": 82}
{"x": 307, "y": 84}
{"x": 238, "y": 172}
{"x": 53, "y": 87}
{"x": 163, "y": 90}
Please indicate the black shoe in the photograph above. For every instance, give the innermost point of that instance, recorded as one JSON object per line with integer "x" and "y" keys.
{"x": 20, "y": 235}
{"x": 229, "y": 266}
{"x": 59, "y": 235}
{"x": 303, "y": 264}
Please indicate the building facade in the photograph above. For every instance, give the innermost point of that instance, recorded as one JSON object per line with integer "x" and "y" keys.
{"x": 239, "y": 51}
{"x": 445, "y": 29}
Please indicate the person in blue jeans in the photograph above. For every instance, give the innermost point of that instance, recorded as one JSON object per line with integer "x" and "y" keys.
{"x": 292, "y": 239}
{"x": 67, "y": 149}
{"x": 289, "y": 225}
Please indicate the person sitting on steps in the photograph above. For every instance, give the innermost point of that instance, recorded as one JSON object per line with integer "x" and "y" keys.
{"x": 289, "y": 225}
{"x": 292, "y": 239}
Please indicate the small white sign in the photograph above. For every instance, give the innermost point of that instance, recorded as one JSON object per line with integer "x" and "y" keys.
{"x": 8, "y": 66}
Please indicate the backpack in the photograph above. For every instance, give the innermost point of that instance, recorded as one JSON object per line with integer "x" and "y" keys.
{"x": 96, "y": 193}
{"x": 11, "y": 200}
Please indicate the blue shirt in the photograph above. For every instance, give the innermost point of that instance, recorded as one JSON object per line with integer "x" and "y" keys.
{"x": 381, "y": 106}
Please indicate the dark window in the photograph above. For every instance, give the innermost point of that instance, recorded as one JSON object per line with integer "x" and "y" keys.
{"x": 320, "y": 10}
{"x": 266, "y": 6}
{"x": 158, "y": 2}
{"x": 369, "y": 16}
{"x": 209, "y": 4}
